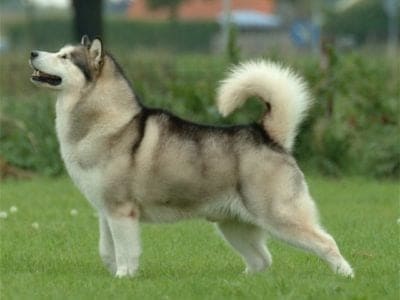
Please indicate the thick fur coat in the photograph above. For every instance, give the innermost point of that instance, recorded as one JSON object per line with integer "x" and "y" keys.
{"x": 134, "y": 163}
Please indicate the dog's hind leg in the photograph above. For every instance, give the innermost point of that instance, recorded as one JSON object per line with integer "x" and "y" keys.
{"x": 124, "y": 227}
{"x": 249, "y": 241}
{"x": 295, "y": 221}
{"x": 106, "y": 245}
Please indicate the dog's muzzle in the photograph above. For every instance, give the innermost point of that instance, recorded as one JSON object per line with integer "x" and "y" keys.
{"x": 40, "y": 76}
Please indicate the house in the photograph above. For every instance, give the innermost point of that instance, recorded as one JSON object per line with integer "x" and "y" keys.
{"x": 200, "y": 9}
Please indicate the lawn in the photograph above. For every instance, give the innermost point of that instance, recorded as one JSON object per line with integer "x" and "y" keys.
{"x": 57, "y": 258}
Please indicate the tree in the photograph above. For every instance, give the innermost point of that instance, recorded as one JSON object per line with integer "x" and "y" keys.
{"x": 365, "y": 21}
{"x": 88, "y": 18}
{"x": 171, "y": 5}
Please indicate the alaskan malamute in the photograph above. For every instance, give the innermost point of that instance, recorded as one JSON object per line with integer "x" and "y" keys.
{"x": 135, "y": 163}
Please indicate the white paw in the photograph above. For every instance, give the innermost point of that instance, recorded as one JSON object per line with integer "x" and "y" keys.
{"x": 259, "y": 264}
{"x": 255, "y": 269}
{"x": 345, "y": 269}
{"x": 125, "y": 271}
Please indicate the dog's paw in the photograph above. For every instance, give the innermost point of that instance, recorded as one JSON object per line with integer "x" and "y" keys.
{"x": 258, "y": 264}
{"x": 254, "y": 270}
{"x": 125, "y": 271}
{"x": 345, "y": 269}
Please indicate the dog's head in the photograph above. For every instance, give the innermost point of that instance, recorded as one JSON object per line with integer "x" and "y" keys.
{"x": 72, "y": 67}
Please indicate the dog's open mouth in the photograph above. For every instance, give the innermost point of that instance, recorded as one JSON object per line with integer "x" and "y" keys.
{"x": 44, "y": 77}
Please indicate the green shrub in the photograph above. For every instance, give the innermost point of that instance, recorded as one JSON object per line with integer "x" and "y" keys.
{"x": 27, "y": 134}
{"x": 359, "y": 137}
{"x": 365, "y": 20}
{"x": 365, "y": 109}
{"x": 51, "y": 33}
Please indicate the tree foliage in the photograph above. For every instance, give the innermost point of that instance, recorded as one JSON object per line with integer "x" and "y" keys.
{"x": 365, "y": 21}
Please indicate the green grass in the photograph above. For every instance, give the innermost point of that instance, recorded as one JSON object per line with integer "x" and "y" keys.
{"x": 188, "y": 260}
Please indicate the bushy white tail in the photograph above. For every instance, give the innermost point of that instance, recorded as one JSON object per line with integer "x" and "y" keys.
{"x": 284, "y": 91}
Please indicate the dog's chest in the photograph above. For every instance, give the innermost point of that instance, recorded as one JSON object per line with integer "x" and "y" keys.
{"x": 79, "y": 160}
{"x": 88, "y": 182}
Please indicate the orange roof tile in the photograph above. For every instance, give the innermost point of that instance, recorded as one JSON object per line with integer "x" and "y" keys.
{"x": 198, "y": 9}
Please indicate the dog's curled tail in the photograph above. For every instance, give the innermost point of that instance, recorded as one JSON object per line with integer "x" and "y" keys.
{"x": 284, "y": 92}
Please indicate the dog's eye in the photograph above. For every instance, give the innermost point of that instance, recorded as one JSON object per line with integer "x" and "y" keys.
{"x": 64, "y": 56}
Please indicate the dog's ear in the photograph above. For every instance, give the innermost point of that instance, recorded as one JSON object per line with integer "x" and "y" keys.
{"x": 97, "y": 52}
{"x": 85, "y": 41}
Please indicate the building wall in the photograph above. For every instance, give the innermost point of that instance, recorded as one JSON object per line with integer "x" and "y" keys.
{"x": 198, "y": 9}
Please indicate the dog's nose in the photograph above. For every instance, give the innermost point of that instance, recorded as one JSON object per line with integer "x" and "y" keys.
{"x": 34, "y": 54}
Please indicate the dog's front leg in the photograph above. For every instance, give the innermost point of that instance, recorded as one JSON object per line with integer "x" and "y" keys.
{"x": 124, "y": 227}
{"x": 106, "y": 245}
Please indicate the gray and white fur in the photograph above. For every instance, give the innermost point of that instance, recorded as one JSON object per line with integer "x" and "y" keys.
{"x": 135, "y": 163}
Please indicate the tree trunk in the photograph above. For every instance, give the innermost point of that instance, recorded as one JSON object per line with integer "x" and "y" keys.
{"x": 88, "y": 18}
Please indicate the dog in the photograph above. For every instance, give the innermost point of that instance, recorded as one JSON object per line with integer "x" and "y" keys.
{"x": 135, "y": 163}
